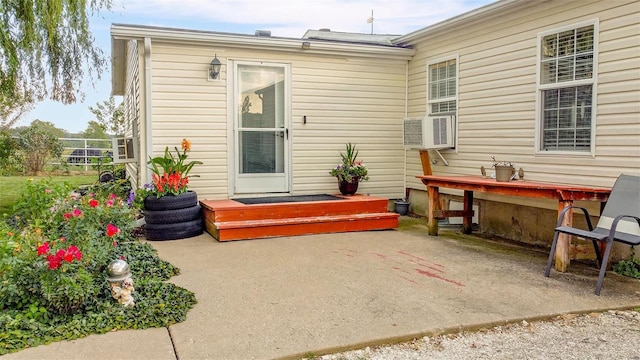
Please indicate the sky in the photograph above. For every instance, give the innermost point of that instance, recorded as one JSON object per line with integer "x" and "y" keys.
{"x": 284, "y": 18}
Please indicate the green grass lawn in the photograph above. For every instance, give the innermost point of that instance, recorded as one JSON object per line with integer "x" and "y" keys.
{"x": 12, "y": 186}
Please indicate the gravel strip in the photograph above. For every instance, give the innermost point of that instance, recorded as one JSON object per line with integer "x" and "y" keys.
{"x": 609, "y": 335}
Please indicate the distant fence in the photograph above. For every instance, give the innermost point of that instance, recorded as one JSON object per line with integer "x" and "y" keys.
{"x": 85, "y": 152}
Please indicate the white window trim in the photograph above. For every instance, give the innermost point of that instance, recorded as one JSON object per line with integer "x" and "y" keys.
{"x": 124, "y": 157}
{"x": 455, "y": 57}
{"x": 540, "y": 87}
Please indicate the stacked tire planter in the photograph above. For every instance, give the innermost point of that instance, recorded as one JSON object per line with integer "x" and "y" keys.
{"x": 172, "y": 217}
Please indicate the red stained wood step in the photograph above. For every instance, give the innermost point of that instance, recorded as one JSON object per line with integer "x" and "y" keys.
{"x": 230, "y": 220}
{"x": 230, "y": 210}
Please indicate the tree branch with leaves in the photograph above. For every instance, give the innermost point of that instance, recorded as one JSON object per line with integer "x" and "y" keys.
{"x": 45, "y": 47}
{"x": 110, "y": 115}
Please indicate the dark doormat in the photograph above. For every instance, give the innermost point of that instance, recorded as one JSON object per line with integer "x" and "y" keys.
{"x": 285, "y": 199}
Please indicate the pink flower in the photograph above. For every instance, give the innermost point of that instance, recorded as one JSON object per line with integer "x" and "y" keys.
{"x": 93, "y": 203}
{"x": 112, "y": 230}
{"x": 62, "y": 239}
{"x": 109, "y": 203}
{"x": 68, "y": 257}
{"x": 77, "y": 212}
{"x": 74, "y": 252}
{"x": 54, "y": 262}
{"x": 115, "y": 243}
{"x": 121, "y": 257}
{"x": 66, "y": 216}
{"x": 113, "y": 196}
{"x": 47, "y": 191}
{"x": 43, "y": 249}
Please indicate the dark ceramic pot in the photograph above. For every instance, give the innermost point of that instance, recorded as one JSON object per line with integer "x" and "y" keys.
{"x": 348, "y": 188}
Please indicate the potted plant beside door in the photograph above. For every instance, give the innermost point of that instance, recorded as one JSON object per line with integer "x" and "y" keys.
{"x": 170, "y": 209}
{"x": 350, "y": 172}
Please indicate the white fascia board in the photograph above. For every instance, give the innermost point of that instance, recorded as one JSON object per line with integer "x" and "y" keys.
{"x": 126, "y": 32}
{"x": 118, "y": 66}
{"x": 472, "y": 15}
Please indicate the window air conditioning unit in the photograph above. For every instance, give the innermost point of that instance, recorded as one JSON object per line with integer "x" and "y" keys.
{"x": 125, "y": 150}
{"x": 430, "y": 132}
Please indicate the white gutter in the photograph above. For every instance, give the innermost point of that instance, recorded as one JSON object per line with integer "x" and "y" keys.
{"x": 147, "y": 108}
{"x": 138, "y": 32}
{"x": 460, "y": 19}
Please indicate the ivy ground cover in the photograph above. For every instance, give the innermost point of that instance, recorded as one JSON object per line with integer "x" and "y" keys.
{"x": 54, "y": 253}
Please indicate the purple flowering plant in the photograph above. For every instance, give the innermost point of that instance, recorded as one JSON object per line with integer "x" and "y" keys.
{"x": 140, "y": 194}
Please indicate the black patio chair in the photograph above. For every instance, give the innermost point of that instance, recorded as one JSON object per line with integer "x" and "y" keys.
{"x": 620, "y": 221}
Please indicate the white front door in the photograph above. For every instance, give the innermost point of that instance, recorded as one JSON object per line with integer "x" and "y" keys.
{"x": 261, "y": 132}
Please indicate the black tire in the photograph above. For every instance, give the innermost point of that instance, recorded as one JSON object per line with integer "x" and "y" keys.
{"x": 171, "y": 202}
{"x": 106, "y": 176}
{"x": 172, "y": 216}
{"x": 174, "y": 231}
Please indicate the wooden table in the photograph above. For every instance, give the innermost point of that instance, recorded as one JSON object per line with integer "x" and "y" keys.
{"x": 565, "y": 194}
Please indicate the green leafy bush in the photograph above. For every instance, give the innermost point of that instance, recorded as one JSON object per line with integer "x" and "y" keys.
{"x": 38, "y": 203}
{"x": 629, "y": 267}
{"x": 53, "y": 280}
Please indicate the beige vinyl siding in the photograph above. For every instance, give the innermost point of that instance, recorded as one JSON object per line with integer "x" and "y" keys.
{"x": 345, "y": 99}
{"x": 133, "y": 108}
{"x": 497, "y": 92}
{"x": 186, "y": 105}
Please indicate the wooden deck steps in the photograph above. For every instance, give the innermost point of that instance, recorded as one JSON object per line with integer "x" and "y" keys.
{"x": 231, "y": 220}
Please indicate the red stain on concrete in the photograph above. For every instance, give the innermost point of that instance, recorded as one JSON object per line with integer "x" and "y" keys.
{"x": 347, "y": 252}
{"x": 401, "y": 270}
{"x": 419, "y": 258}
{"x": 409, "y": 280}
{"x": 426, "y": 266}
{"x": 420, "y": 261}
{"x": 436, "y": 276}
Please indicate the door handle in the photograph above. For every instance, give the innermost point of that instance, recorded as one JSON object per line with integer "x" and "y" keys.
{"x": 286, "y": 130}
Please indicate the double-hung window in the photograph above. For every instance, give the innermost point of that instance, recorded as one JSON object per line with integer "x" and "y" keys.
{"x": 566, "y": 88}
{"x": 442, "y": 87}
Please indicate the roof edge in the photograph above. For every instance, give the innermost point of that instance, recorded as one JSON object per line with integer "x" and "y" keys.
{"x": 456, "y": 20}
{"x": 139, "y": 32}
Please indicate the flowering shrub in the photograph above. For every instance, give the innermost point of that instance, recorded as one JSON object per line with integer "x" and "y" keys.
{"x": 171, "y": 173}
{"x": 55, "y": 260}
{"x": 53, "y": 270}
{"x": 350, "y": 168}
{"x": 38, "y": 202}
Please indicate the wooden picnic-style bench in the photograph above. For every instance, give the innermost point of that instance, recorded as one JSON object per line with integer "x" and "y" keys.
{"x": 565, "y": 194}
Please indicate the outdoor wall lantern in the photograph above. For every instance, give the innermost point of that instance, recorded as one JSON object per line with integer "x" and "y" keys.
{"x": 214, "y": 68}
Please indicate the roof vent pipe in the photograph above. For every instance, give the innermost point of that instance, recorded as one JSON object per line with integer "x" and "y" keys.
{"x": 266, "y": 33}
{"x": 325, "y": 30}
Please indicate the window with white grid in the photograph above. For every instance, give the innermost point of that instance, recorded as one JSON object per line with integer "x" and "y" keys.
{"x": 566, "y": 88}
{"x": 442, "y": 87}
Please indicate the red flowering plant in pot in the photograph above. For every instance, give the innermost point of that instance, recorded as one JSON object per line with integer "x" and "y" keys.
{"x": 171, "y": 211}
{"x": 171, "y": 172}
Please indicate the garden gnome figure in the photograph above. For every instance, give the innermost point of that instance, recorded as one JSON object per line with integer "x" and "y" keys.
{"x": 124, "y": 294}
{"x": 120, "y": 282}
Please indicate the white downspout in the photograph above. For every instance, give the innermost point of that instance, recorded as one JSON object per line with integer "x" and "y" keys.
{"x": 147, "y": 107}
{"x": 406, "y": 113}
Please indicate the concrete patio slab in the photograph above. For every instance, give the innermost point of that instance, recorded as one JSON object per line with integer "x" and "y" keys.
{"x": 128, "y": 344}
{"x": 292, "y": 296}
{"x": 287, "y": 297}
